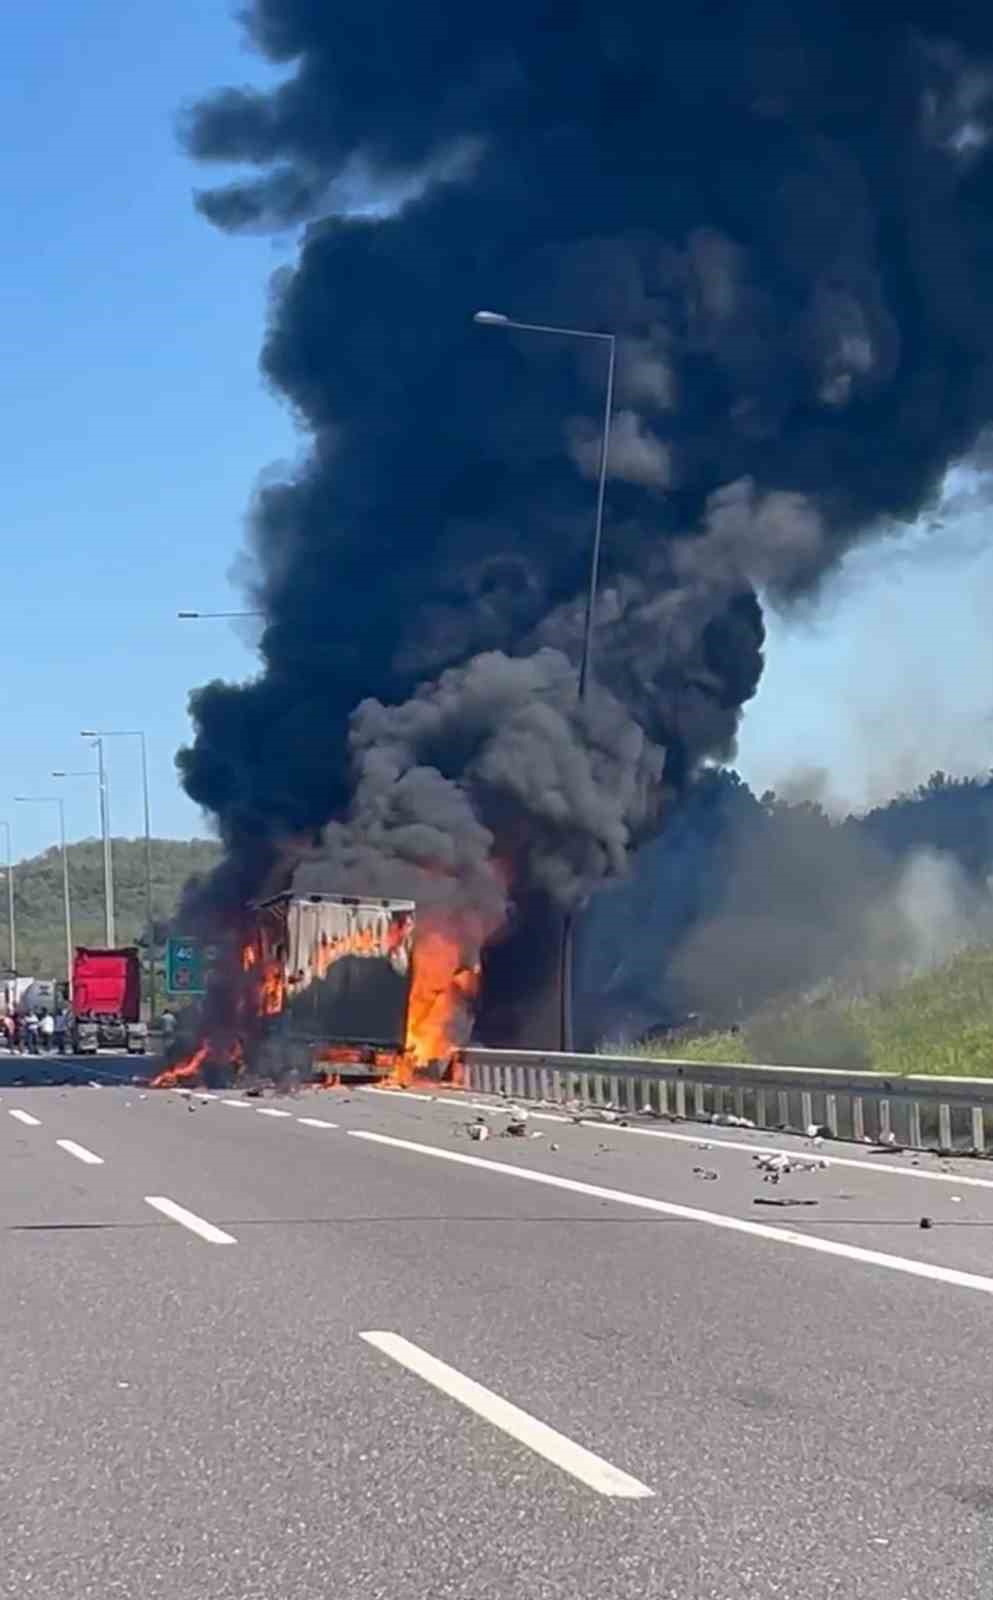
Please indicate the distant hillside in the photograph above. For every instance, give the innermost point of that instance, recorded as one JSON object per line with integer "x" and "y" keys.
{"x": 38, "y": 896}
{"x": 940, "y": 1022}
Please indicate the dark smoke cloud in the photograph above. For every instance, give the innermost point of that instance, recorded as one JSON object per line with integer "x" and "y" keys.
{"x": 785, "y": 215}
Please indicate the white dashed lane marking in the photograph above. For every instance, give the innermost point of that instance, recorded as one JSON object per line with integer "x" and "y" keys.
{"x": 80, "y": 1151}
{"x": 25, "y": 1116}
{"x": 520, "y": 1425}
{"x": 189, "y": 1219}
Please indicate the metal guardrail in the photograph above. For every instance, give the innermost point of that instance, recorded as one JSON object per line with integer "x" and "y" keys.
{"x": 919, "y": 1112}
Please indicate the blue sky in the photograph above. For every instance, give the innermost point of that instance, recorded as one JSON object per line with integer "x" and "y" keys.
{"x": 135, "y": 425}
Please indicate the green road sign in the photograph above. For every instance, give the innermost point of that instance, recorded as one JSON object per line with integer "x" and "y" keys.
{"x": 186, "y": 966}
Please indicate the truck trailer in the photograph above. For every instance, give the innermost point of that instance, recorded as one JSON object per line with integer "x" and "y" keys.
{"x": 106, "y": 1001}
{"x": 334, "y": 974}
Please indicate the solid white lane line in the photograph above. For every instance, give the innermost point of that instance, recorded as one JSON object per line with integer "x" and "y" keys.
{"x": 713, "y": 1136}
{"x": 520, "y": 1425}
{"x": 270, "y": 1111}
{"x": 243, "y": 1105}
{"x": 25, "y": 1116}
{"x": 189, "y": 1219}
{"x": 715, "y": 1219}
{"x": 315, "y": 1122}
{"x": 80, "y": 1151}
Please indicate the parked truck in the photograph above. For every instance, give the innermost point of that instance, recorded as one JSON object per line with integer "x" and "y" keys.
{"x": 106, "y": 1002}
{"x": 334, "y": 975}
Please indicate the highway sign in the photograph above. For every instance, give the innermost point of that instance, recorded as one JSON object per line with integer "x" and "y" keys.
{"x": 186, "y": 966}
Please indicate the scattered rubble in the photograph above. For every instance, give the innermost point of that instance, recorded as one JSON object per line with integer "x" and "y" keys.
{"x": 926, "y": 1222}
{"x": 706, "y": 1173}
{"x": 773, "y": 1168}
{"x": 724, "y": 1119}
{"x": 782, "y": 1200}
{"x": 478, "y": 1131}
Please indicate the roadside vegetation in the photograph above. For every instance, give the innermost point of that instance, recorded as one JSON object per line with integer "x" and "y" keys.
{"x": 39, "y": 901}
{"x": 939, "y": 1022}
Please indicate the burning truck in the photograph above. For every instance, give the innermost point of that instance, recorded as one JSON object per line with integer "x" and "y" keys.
{"x": 328, "y": 984}
{"x": 334, "y": 976}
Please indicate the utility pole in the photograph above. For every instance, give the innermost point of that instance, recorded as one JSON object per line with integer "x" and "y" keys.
{"x": 56, "y": 800}
{"x": 138, "y": 733}
{"x": 497, "y": 319}
{"x": 11, "y": 929}
{"x": 110, "y": 932}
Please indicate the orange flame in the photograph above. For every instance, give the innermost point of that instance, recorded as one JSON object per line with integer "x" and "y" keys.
{"x": 443, "y": 993}
{"x": 184, "y": 1071}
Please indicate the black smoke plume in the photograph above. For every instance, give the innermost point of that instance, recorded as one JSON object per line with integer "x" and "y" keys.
{"x": 784, "y": 213}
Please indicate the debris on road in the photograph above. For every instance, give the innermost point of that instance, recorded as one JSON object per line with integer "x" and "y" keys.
{"x": 782, "y": 1200}
{"x": 706, "y": 1173}
{"x": 723, "y": 1119}
{"x": 478, "y": 1131}
{"x": 926, "y": 1222}
{"x": 553, "y": 1147}
{"x": 773, "y": 1168}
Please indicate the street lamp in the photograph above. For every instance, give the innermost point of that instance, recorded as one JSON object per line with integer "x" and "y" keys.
{"x": 138, "y": 733}
{"x": 56, "y": 800}
{"x": 108, "y": 877}
{"x": 496, "y": 319}
{"x": 11, "y": 931}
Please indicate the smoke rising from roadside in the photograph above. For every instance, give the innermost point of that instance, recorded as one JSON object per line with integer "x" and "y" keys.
{"x": 784, "y": 216}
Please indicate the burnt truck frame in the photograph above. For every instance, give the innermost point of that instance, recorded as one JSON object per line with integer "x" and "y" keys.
{"x": 343, "y": 968}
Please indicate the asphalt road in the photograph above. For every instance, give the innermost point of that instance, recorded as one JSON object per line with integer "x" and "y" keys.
{"x": 738, "y": 1401}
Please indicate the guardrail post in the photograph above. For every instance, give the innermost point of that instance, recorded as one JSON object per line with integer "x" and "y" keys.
{"x": 806, "y": 1109}
{"x": 760, "y": 1116}
{"x": 945, "y": 1127}
{"x": 664, "y": 1097}
{"x": 614, "y": 1090}
{"x": 978, "y": 1130}
{"x": 739, "y": 1102}
{"x": 555, "y": 1087}
{"x": 831, "y": 1114}
{"x": 783, "y": 1107}
{"x": 916, "y": 1137}
{"x": 681, "y": 1098}
{"x": 858, "y": 1117}
{"x": 885, "y": 1121}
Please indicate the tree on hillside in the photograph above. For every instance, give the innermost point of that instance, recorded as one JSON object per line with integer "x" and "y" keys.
{"x": 38, "y": 899}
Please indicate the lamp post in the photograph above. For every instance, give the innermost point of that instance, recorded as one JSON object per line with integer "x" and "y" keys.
{"x": 109, "y": 921}
{"x": 56, "y": 800}
{"x": 11, "y": 929}
{"x": 138, "y": 733}
{"x": 496, "y": 319}
{"x": 99, "y": 773}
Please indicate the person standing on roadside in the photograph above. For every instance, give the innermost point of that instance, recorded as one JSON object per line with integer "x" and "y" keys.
{"x": 29, "y": 1032}
{"x": 46, "y": 1030}
{"x": 60, "y": 1030}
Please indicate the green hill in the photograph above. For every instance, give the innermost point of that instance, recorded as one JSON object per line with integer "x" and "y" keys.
{"x": 941, "y": 1022}
{"x": 38, "y": 896}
